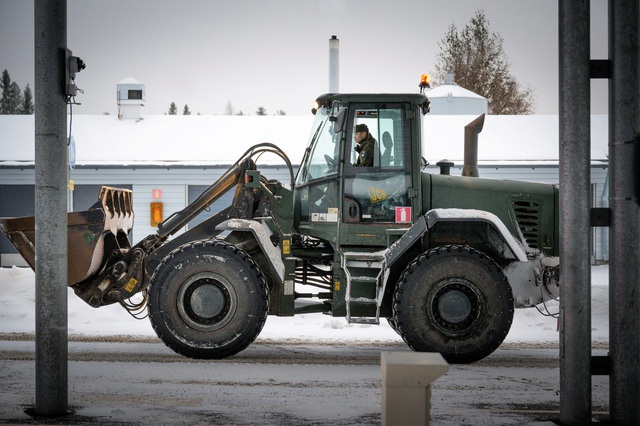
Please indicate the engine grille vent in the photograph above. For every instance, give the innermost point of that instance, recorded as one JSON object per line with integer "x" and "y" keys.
{"x": 527, "y": 214}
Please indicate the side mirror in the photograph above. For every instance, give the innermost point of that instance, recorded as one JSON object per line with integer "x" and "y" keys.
{"x": 425, "y": 107}
{"x": 423, "y": 163}
{"x": 338, "y": 121}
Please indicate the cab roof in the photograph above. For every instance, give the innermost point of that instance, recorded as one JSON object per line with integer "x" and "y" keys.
{"x": 328, "y": 98}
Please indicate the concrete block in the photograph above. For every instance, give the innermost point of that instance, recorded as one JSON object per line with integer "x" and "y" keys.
{"x": 406, "y": 380}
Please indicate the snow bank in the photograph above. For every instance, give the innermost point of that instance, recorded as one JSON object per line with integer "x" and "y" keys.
{"x": 17, "y": 315}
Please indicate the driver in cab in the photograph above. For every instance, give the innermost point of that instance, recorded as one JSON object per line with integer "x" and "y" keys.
{"x": 365, "y": 145}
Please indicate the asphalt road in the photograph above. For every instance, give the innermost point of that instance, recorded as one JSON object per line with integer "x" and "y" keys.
{"x": 140, "y": 381}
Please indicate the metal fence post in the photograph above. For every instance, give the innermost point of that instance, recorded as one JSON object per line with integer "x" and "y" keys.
{"x": 624, "y": 204}
{"x": 575, "y": 180}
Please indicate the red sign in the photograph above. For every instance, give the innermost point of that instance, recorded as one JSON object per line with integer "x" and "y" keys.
{"x": 156, "y": 194}
{"x": 403, "y": 214}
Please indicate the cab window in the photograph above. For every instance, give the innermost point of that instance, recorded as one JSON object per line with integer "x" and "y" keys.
{"x": 377, "y": 191}
{"x": 318, "y": 175}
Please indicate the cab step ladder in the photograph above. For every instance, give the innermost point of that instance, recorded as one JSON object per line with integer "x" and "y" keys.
{"x": 353, "y": 263}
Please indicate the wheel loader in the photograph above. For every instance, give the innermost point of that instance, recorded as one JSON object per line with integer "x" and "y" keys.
{"x": 444, "y": 259}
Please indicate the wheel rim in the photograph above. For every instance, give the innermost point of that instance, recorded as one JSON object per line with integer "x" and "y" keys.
{"x": 206, "y": 301}
{"x": 454, "y": 305}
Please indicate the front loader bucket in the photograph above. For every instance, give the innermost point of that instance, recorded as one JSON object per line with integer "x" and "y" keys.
{"x": 92, "y": 234}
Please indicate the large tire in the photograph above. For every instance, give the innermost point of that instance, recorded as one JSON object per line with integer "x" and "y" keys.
{"x": 454, "y": 300}
{"x": 208, "y": 299}
{"x": 393, "y": 325}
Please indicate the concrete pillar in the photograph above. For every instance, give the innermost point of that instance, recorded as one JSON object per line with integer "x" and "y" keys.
{"x": 624, "y": 202}
{"x": 406, "y": 390}
{"x": 51, "y": 207}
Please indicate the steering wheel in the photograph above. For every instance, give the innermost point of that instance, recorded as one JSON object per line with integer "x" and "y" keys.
{"x": 331, "y": 163}
{"x": 390, "y": 203}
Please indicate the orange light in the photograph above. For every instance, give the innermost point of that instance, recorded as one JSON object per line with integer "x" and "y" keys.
{"x": 425, "y": 82}
{"x": 156, "y": 213}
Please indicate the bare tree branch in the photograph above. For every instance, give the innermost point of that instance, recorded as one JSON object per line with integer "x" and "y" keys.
{"x": 477, "y": 59}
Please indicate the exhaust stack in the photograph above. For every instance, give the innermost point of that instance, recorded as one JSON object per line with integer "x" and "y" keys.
{"x": 471, "y": 131}
{"x": 334, "y": 64}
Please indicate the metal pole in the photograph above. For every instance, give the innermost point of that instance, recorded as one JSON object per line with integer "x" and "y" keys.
{"x": 51, "y": 205}
{"x": 593, "y": 248}
{"x": 575, "y": 179}
{"x": 624, "y": 204}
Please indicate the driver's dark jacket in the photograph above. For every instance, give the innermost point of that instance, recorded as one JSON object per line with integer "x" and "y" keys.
{"x": 366, "y": 151}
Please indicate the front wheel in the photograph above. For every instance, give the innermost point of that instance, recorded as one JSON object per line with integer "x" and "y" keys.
{"x": 208, "y": 299}
{"x": 454, "y": 300}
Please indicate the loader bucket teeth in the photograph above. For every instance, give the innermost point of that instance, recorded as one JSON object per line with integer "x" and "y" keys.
{"x": 118, "y": 208}
{"x": 92, "y": 234}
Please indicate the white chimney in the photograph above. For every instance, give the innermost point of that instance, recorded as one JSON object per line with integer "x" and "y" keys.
{"x": 334, "y": 64}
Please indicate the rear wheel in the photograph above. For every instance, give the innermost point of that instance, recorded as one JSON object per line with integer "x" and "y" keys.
{"x": 393, "y": 325}
{"x": 208, "y": 299}
{"x": 454, "y": 300}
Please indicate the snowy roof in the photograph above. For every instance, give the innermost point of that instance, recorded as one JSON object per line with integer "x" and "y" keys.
{"x": 221, "y": 140}
{"x": 129, "y": 80}
{"x": 162, "y": 139}
{"x": 452, "y": 89}
{"x": 507, "y": 139}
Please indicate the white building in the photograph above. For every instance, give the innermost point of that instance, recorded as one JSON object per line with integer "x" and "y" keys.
{"x": 451, "y": 99}
{"x": 181, "y": 155}
{"x": 130, "y": 96}
{"x": 175, "y": 157}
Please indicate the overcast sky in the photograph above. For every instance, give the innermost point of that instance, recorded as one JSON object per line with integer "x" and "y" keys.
{"x": 275, "y": 53}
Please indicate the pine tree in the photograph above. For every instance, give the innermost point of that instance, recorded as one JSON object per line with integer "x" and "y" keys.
{"x": 478, "y": 62}
{"x": 26, "y": 107}
{"x": 5, "y": 83}
{"x": 228, "y": 109}
{"x": 261, "y": 111}
{"x": 15, "y": 99}
{"x": 9, "y": 101}
{"x": 185, "y": 110}
{"x": 173, "y": 110}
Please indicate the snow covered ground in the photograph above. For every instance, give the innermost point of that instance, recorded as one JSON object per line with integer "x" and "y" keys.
{"x": 17, "y": 315}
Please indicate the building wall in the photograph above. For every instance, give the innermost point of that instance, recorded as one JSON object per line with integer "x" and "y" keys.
{"x": 173, "y": 182}
{"x": 457, "y": 106}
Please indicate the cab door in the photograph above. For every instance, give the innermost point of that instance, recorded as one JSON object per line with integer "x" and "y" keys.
{"x": 378, "y": 197}
{"x": 317, "y": 184}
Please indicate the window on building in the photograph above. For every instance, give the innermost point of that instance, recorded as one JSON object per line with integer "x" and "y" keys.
{"x": 134, "y": 94}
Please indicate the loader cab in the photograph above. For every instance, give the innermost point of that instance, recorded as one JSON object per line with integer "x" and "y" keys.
{"x": 350, "y": 204}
